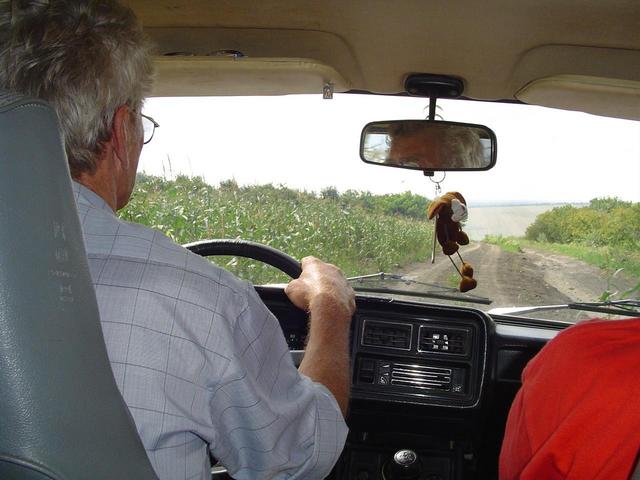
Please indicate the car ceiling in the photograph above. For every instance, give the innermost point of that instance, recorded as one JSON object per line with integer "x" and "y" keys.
{"x": 499, "y": 48}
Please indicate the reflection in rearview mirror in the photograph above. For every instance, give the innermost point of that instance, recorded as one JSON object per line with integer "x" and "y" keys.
{"x": 429, "y": 145}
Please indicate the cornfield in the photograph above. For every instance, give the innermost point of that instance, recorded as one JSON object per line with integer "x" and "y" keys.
{"x": 334, "y": 228}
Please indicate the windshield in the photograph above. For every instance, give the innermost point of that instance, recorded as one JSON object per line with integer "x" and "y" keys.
{"x": 557, "y": 220}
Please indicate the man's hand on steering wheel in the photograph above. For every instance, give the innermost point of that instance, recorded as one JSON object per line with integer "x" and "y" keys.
{"x": 322, "y": 285}
{"x": 323, "y": 291}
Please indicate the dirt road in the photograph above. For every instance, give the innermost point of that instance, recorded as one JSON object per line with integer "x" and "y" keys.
{"x": 531, "y": 277}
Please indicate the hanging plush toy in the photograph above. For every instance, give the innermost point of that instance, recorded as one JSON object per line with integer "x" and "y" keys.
{"x": 449, "y": 210}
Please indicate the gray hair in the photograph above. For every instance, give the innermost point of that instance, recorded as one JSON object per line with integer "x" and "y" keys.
{"x": 465, "y": 147}
{"x": 85, "y": 57}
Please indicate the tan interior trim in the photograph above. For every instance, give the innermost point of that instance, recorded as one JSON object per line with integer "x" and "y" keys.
{"x": 206, "y": 76}
{"x": 324, "y": 47}
{"x": 554, "y": 60}
{"x": 596, "y": 95}
{"x": 497, "y": 47}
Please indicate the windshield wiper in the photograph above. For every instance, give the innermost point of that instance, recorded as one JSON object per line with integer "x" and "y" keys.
{"x": 630, "y": 308}
{"x": 437, "y": 291}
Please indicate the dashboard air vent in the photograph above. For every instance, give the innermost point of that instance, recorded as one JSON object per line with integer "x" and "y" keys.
{"x": 436, "y": 339}
{"x": 387, "y": 335}
{"x": 422, "y": 377}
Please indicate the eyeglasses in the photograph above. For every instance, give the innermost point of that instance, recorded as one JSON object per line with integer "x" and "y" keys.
{"x": 149, "y": 126}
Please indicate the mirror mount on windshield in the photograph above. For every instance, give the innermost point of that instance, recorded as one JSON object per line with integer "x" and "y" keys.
{"x": 432, "y": 108}
{"x": 434, "y": 87}
{"x": 429, "y": 145}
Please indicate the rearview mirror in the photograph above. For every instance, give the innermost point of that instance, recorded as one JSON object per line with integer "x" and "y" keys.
{"x": 429, "y": 145}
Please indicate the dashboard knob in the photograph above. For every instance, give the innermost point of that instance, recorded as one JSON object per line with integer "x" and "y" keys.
{"x": 405, "y": 465}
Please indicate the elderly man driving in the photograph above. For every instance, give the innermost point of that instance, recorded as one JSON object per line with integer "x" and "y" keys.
{"x": 201, "y": 362}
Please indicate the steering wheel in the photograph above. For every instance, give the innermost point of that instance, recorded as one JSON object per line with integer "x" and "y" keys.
{"x": 244, "y": 248}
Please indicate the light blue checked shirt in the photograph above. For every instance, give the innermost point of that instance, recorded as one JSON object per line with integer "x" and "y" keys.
{"x": 200, "y": 360}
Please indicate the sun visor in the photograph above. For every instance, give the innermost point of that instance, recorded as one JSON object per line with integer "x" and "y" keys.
{"x": 596, "y": 95}
{"x": 227, "y": 76}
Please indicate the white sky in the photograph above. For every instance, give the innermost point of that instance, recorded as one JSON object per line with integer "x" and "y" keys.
{"x": 309, "y": 143}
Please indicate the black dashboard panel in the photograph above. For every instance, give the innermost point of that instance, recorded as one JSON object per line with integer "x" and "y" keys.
{"x": 405, "y": 352}
{"x": 422, "y": 355}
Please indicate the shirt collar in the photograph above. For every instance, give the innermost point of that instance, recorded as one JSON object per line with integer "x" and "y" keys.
{"x": 85, "y": 196}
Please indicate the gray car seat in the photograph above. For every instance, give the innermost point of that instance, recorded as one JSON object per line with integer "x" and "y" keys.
{"x": 61, "y": 414}
{"x": 635, "y": 475}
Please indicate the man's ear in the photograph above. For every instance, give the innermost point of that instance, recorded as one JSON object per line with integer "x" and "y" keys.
{"x": 119, "y": 133}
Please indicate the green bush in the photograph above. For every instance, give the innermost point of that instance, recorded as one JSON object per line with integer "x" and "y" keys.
{"x": 605, "y": 222}
{"x": 406, "y": 204}
{"x": 604, "y": 233}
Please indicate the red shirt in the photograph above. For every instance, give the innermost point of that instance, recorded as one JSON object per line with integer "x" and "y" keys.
{"x": 577, "y": 415}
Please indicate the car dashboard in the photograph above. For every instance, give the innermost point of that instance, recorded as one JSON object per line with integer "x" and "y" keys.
{"x": 419, "y": 355}
{"x": 435, "y": 380}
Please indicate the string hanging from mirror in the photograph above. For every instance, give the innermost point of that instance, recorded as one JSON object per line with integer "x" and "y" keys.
{"x": 438, "y": 182}
{"x": 438, "y": 190}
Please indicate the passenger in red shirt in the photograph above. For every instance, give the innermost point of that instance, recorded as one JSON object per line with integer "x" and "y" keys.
{"x": 577, "y": 415}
